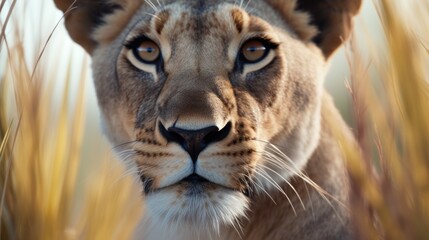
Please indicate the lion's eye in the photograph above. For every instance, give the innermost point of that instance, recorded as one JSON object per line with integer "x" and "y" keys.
{"x": 254, "y": 51}
{"x": 147, "y": 51}
{"x": 144, "y": 54}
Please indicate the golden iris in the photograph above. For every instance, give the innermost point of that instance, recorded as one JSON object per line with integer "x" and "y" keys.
{"x": 253, "y": 50}
{"x": 148, "y": 51}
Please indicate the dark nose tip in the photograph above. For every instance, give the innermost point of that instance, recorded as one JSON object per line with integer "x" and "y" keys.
{"x": 194, "y": 141}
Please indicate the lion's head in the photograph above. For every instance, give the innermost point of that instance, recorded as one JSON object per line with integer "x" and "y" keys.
{"x": 197, "y": 93}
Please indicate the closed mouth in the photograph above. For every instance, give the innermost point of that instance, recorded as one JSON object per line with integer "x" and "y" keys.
{"x": 194, "y": 179}
{"x": 194, "y": 183}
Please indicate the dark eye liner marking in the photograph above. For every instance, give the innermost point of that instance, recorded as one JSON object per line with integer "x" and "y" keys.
{"x": 267, "y": 41}
{"x": 135, "y": 41}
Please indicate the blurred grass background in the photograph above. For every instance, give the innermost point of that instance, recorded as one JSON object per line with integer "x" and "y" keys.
{"x": 389, "y": 167}
{"x": 58, "y": 179}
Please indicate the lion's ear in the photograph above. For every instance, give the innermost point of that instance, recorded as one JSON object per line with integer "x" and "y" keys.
{"x": 82, "y": 17}
{"x": 333, "y": 19}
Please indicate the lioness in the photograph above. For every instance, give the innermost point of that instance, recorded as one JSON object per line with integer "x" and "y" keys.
{"x": 220, "y": 107}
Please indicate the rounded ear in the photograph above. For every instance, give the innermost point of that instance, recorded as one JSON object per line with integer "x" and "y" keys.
{"x": 82, "y": 17}
{"x": 333, "y": 19}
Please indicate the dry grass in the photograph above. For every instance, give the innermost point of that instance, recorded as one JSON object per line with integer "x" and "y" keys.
{"x": 41, "y": 140}
{"x": 389, "y": 167}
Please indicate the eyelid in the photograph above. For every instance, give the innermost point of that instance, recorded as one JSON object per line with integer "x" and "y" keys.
{"x": 268, "y": 46}
{"x": 135, "y": 41}
{"x": 267, "y": 40}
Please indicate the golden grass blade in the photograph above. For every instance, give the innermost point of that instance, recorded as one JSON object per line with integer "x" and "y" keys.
{"x": 8, "y": 15}
{"x": 41, "y": 199}
{"x": 390, "y": 174}
{"x": 103, "y": 222}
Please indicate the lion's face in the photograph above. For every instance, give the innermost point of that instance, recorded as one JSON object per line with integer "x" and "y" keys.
{"x": 196, "y": 94}
{"x": 211, "y": 102}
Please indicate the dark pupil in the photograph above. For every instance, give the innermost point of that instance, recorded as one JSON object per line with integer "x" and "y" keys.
{"x": 147, "y": 49}
{"x": 254, "y": 49}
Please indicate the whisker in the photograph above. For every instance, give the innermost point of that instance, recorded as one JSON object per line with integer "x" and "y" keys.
{"x": 288, "y": 183}
{"x": 267, "y": 177}
{"x": 125, "y": 151}
{"x": 247, "y": 4}
{"x": 270, "y": 180}
{"x": 123, "y": 144}
{"x": 272, "y": 199}
{"x": 126, "y": 154}
{"x": 310, "y": 182}
{"x": 151, "y": 5}
{"x": 131, "y": 169}
{"x": 247, "y": 181}
{"x": 279, "y": 163}
{"x": 279, "y": 152}
{"x": 245, "y": 178}
{"x": 300, "y": 174}
{"x": 215, "y": 224}
{"x": 235, "y": 228}
{"x": 323, "y": 193}
{"x": 125, "y": 174}
{"x": 159, "y": 3}
{"x": 239, "y": 225}
{"x": 152, "y": 15}
{"x": 311, "y": 202}
{"x": 271, "y": 158}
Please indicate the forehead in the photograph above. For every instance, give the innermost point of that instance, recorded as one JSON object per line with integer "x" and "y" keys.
{"x": 197, "y": 20}
{"x": 200, "y": 7}
{"x": 203, "y": 17}
{"x": 141, "y": 17}
{"x": 200, "y": 33}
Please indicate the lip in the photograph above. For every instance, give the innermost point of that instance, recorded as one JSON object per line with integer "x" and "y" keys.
{"x": 193, "y": 182}
{"x": 195, "y": 179}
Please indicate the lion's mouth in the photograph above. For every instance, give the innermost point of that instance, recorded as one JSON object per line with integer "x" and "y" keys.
{"x": 194, "y": 179}
{"x": 193, "y": 185}
{"x": 196, "y": 185}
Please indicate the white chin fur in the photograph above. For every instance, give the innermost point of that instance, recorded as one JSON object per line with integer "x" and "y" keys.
{"x": 180, "y": 216}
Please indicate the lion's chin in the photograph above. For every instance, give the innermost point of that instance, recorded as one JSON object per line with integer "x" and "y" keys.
{"x": 203, "y": 206}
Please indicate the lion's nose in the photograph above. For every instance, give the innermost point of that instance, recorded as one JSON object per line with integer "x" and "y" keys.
{"x": 195, "y": 141}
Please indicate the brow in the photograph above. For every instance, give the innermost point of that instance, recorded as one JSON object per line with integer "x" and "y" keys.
{"x": 160, "y": 20}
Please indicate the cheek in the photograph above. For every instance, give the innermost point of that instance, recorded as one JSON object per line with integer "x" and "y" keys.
{"x": 138, "y": 93}
{"x": 266, "y": 84}
{"x": 116, "y": 131}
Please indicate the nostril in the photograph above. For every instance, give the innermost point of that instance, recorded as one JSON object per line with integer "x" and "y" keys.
{"x": 171, "y": 136}
{"x": 195, "y": 141}
{"x": 216, "y": 136}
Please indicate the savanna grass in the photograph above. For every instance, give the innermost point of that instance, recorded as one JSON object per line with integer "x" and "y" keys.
{"x": 389, "y": 165}
{"x": 40, "y": 150}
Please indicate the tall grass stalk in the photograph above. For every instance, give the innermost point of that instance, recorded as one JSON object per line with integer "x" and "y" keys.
{"x": 389, "y": 165}
{"x": 40, "y": 154}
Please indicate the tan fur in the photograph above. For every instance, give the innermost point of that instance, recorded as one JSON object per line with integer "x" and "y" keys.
{"x": 277, "y": 173}
{"x": 297, "y": 20}
{"x": 335, "y": 17}
{"x": 326, "y": 159}
{"x": 116, "y": 22}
